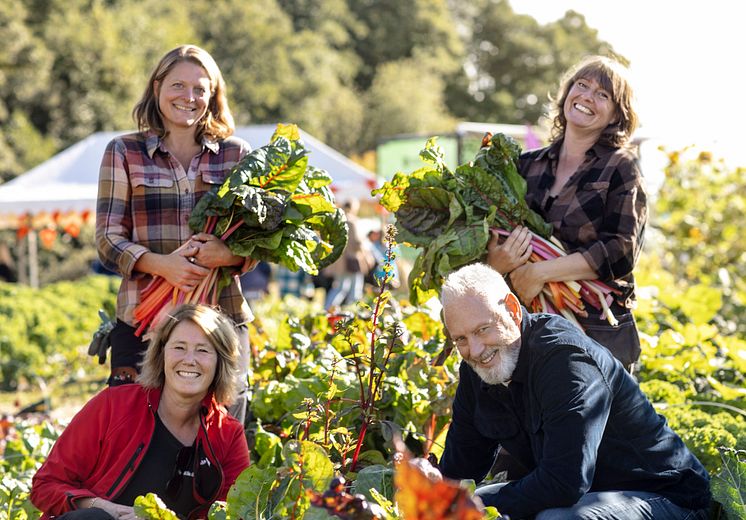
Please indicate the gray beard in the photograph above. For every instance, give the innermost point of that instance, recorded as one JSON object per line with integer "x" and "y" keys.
{"x": 502, "y": 371}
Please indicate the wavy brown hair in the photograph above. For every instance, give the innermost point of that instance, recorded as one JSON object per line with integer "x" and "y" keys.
{"x": 613, "y": 77}
{"x": 221, "y": 334}
{"x": 216, "y": 124}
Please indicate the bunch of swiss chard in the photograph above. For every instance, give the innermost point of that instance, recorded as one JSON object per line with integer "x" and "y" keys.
{"x": 273, "y": 207}
{"x": 449, "y": 216}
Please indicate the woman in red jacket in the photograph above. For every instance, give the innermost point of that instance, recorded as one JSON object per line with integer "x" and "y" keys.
{"x": 168, "y": 434}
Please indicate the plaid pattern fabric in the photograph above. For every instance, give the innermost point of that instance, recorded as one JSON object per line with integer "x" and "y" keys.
{"x": 289, "y": 282}
{"x": 601, "y": 212}
{"x": 144, "y": 201}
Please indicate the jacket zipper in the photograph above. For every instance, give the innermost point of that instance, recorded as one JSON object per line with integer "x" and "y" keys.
{"x": 126, "y": 469}
{"x": 203, "y": 426}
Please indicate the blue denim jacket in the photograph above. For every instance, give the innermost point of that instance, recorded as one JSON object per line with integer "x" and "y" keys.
{"x": 576, "y": 419}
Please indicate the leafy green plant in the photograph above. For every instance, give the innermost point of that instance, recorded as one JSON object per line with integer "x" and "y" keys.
{"x": 150, "y": 507}
{"x": 24, "y": 445}
{"x": 449, "y": 214}
{"x": 44, "y": 332}
{"x": 729, "y": 486}
{"x": 701, "y": 241}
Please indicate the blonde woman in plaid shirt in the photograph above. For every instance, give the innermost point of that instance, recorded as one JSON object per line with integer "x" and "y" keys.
{"x": 588, "y": 185}
{"x": 149, "y": 183}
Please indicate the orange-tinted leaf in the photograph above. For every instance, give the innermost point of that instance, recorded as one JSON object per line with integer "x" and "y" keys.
{"x": 422, "y": 494}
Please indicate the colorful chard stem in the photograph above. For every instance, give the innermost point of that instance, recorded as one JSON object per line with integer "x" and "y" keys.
{"x": 568, "y": 299}
{"x": 160, "y": 296}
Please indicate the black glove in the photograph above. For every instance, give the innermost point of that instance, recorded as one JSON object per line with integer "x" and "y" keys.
{"x": 101, "y": 338}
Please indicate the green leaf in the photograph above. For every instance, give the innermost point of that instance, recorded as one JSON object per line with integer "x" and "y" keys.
{"x": 701, "y": 303}
{"x": 285, "y": 207}
{"x": 426, "y": 214}
{"x": 317, "y": 468}
{"x": 311, "y": 203}
{"x": 218, "y": 511}
{"x": 150, "y": 507}
{"x": 392, "y": 192}
{"x": 491, "y": 513}
{"x": 729, "y": 486}
{"x": 267, "y": 445}
{"x": 332, "y": 232}
{"x": 249, "y": 495}
{"x": 378, "y": 477}
{"x": 728, "y": 392}
{"x": 316, "y": 178}
{"x": 433, "y": 153}
{"x": 449, "y": 214}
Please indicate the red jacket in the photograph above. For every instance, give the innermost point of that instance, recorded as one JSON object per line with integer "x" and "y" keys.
{"x": 103, "y": 445}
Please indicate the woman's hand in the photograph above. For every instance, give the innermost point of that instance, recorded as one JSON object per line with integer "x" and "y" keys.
{"x": 183, "y": 270}
{"x": 116, "y": 510}
{"x": 526, "y": 282}
{"x": 212, "y": 252}
{"x": 179, "y": 268}
{"x": 514, "y": 252}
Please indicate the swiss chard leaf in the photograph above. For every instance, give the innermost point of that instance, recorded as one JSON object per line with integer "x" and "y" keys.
{"x": 449, "y": 214}
{"x": 427, "y": 212}
{"x": 276, "y": 208}
{"x": 729, "y": 486}
{"x": 151, "y": 507}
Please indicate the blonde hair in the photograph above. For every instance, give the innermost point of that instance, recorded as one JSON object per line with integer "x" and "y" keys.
{"x": 613, "y": 77}
{"x": 221, "y": 334}
{"x": 216, "y": 124}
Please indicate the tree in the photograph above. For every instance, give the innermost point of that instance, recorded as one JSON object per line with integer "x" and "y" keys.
{"x": 24, "y": 72}
{"x": 347, "y": 71}
{"x": 513, "y": 63}
{"x": 103, "y": 55}
{"x": 397, "y": 30}
{"x": 405, "y": 97}
{"x": 277, "y": 72}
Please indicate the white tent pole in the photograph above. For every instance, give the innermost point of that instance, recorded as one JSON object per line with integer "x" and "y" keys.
{"x": 33, "y": 259}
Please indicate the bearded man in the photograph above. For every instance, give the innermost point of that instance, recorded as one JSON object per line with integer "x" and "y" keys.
{"x": 565, "y": 408}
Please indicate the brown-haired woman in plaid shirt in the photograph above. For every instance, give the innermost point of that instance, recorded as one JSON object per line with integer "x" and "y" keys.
{"x": 148, "y": 185}
{"x": 587, "y": 184}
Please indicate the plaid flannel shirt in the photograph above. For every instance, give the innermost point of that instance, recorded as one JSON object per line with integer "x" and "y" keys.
{"x": 601, "y": 212}
{"x": 145, "y": 199}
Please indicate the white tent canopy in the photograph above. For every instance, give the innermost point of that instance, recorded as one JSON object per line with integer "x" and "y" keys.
{"x": 69, "y": 180}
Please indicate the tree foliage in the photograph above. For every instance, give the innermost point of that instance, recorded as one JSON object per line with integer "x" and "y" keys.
{"x": 701, "y": 241}
{"x": 348, "y": 72}
{"x": 513, "y": 63}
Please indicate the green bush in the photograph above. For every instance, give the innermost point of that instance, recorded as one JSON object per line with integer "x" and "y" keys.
{"x": 704, "y": 432}
{"x": 44, "y": 332}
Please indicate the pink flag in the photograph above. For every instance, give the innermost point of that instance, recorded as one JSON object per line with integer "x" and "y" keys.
{"x": 531, "y": 140}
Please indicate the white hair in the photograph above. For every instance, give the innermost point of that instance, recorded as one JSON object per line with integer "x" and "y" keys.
{"x": 477, "y": 280}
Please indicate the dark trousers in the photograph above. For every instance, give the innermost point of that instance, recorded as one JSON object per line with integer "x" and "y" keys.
{"x": 92, "y": 513}
{"x": 126, "y": 354}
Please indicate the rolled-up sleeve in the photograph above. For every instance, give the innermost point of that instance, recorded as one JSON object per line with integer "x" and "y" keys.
{"x": 116, "y": 250}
